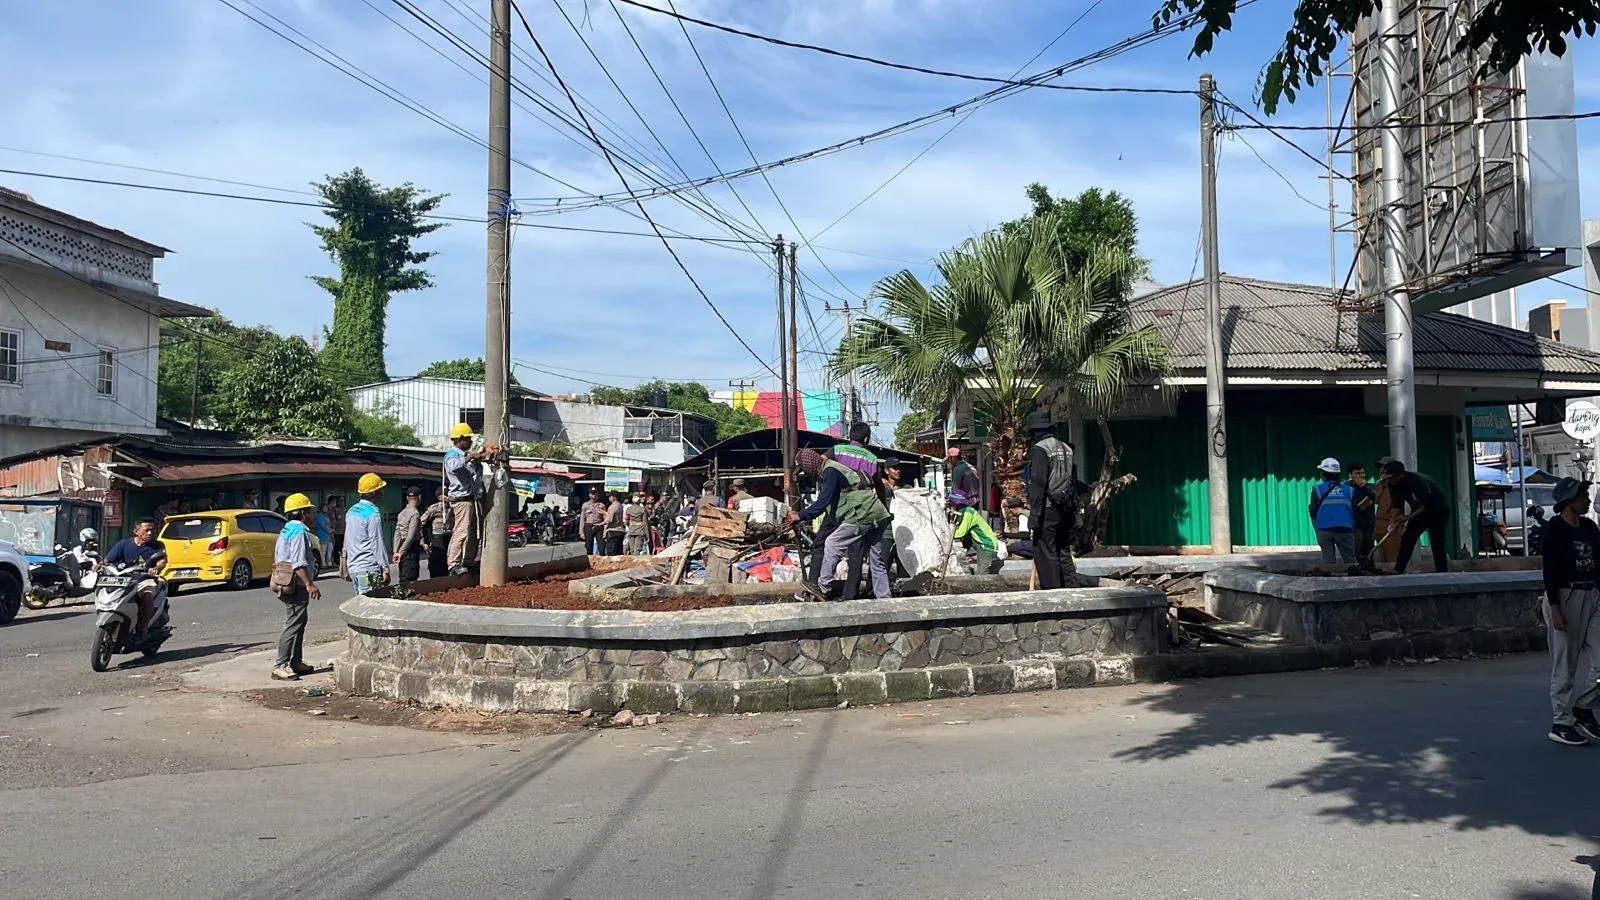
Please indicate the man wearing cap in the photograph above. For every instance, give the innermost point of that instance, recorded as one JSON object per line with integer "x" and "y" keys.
{"x": 1052, "y": 503}
{"x": 963, "y": 478}
{"x": 738, "y": 494}
{"x": 848, "y": 493}
{"x": 408, "y": 536}
{"x": 1332, "y": 512}
{"x": 1429, "y": 512}
{"x": 293, "y": 549}
{"x": 1571, "y": 547}
{"x": 364, "y": 553}
{"x": 463, "y": 485}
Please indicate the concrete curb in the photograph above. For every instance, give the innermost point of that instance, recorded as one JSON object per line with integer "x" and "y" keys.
{"x": 868, "y": 688}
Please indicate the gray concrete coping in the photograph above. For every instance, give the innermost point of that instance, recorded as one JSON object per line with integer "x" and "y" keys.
{"x": 415, "y": 616}
{"x": 1175, "y": 564}
{"x": 1343, "y": 589}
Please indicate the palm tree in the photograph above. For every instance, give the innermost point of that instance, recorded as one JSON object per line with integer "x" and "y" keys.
{"x": 1010, "y": 323}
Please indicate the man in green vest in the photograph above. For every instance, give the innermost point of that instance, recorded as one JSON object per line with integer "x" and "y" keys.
{"x": 848, "y": 488}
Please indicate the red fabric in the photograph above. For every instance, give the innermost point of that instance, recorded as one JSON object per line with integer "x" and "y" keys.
{"x": 760, "y": 568}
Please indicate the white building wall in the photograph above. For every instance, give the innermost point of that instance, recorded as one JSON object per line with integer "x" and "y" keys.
{"x": 429, "y": 405}
{"x": 56, "y": 398}
{"x": 597, "y": 431}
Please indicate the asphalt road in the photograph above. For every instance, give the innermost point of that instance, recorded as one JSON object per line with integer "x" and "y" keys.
{"x": 1430, "y": 781}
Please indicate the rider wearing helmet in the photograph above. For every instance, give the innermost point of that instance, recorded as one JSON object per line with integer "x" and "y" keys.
{"x": 294, "y": 551}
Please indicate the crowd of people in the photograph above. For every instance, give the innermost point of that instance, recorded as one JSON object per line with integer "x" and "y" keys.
{"x": 1344, "y": 512}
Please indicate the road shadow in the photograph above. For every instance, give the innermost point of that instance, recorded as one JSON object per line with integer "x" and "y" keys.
{"x": 770, "y": 876}
{"x": 187, "y": 653}
{"x": 52, "y": 614}
{"x": 1457, "y": 744}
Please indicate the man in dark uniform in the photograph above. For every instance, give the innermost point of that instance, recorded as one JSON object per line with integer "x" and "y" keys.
{"x": 1052, "y": 504}
{"x": 1429, "y": 512}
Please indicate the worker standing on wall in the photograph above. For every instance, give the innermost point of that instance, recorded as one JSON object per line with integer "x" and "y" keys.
{"x": 1052, "y": 506}
{"x": 463, "y": 486}
{"x": 1333, "y": 513}
{"x": 1429, "y": 512}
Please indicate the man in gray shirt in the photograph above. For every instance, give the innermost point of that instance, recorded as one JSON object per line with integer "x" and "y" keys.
{"x": 408, "y": 536}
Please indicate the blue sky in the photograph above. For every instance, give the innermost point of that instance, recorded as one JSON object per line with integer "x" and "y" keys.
{"x": 192, "y": 86}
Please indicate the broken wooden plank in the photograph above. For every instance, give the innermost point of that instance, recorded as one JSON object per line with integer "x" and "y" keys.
{"x": 682, "y": 564}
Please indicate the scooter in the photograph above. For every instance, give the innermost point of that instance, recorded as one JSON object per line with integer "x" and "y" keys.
{"x": 72, "y": 575}
{"x": 516, "y": 535}
{"x": 117, "y": 608}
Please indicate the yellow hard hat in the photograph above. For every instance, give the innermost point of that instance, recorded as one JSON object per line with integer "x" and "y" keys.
{"x": 370, "y": 483}
{"x": 460, "y": 430}
{"x": 296, "y": 502}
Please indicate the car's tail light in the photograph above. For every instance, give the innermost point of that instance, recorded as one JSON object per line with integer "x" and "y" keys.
{"x": 218, "y": 545}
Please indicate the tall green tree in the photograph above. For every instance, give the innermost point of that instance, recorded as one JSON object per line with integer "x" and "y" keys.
{"x": 370, "y": 240}
{"x": 281, "y": 391}
{"x": 1011, "y": 324}
{"x": 689, "y": 396}
{"x": 463, "y": 369}
{"x": 184, "y": 383}
{"x": 913, "y": 423}
{"x": 1509, "y": 31}
{"x": 1084, "y": 223}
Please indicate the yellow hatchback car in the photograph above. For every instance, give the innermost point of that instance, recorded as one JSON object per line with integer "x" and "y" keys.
{"x": 233, "y": 546}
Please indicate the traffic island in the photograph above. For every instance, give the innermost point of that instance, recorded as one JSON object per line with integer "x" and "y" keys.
{"x": 747, "y": 658}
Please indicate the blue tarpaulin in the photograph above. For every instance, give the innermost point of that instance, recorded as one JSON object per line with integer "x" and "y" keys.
{"x": 1529, "y": 474}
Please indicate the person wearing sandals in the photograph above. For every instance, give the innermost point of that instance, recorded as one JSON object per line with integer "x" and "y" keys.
{"x": 293, "y": 551}
{"x": 1571, "y": 545}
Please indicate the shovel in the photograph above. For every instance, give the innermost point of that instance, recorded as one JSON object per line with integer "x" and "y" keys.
{"x": 1378, "y": 545}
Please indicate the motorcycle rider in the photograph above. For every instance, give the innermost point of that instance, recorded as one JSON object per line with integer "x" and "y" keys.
{"x": 144, "y": 549}
{"x": 294, "y": 549}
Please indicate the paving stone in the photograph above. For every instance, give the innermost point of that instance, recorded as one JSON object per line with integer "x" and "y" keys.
{"x": 863, "y": 688}
{"x": 905, "y": 687}
{"x": 1033, "y": 675}
{"x": 600, "y": 696}
{"x": 650, "y": 697}
{"x": 955, "y": 681}
{"x": 1074, "y": 673}
{"x": 707, "y": 697}
{"x": 992, "y": 679}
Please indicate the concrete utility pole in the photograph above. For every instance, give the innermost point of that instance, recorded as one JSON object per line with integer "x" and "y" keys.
{"x": 497, "y": 321}
{"x": 1397, "y": 324}
{"x": 1216, "y": 367}
{"x": 847, "y": 409}
{"x": 783, "y": 376}
{"x": 793, "y": 447}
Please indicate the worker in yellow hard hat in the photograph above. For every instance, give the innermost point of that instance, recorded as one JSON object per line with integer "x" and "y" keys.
{"x": 365, "y": 554}
{"x": 464, "y": 488}
{"x": 294, "y": 581}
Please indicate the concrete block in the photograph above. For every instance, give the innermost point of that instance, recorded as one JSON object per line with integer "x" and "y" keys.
{"x": 997, "y": 679}
{"x": 949, "y": 681}
{"x": 600, "y": 696}
{"x": 1033, "y": 675}
{"x": 905, "y": 687}
{"x": 651, "y": 696}
{"x": 863, "y": 688}
{"x": 494, "y": 693}
{"x": 416, "y": 686}
{"x": 1113, "y": 671}
{"x": 709, "y": 697}
{"x": 541, "y": 696}
{"x": 813, "y": 692}
{"x": 761, "y": 695}
{"x": 1074, "y": 673}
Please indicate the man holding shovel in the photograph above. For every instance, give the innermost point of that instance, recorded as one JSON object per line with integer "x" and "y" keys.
{"x": 1571, "y": 546}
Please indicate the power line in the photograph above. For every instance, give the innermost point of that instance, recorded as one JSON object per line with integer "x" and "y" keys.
{"x": 1274, "y": 169}
{"x": 101, "y": 162}
{"x": 1234, "y": 126}
{"x": 1378, "y": 126}
{"x": 315, "y": 205}
{"x": 905, "y": 67}
{"x": 1120, "y": 47}
{"x": 620, "y": 177}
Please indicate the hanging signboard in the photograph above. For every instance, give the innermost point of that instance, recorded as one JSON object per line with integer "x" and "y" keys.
{"x": 616, "y": 480}
{"x": 1491, "y": 423}
{"x": 111, "y": 509}
{"x": 1583, "y": 421}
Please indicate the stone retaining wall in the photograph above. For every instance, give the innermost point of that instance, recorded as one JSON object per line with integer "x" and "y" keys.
{"x": 790, "y": 655}
{"x": 1312, "y": 610}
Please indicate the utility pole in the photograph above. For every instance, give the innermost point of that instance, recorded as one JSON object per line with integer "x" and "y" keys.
{"x": 1397, "y": 300}
{"x": 497, "y": 322}
{"x": 784, "y": 412}
{"x": 847, "y": 409}
{"x": 194, "y": 387}
{"x": 793, "y": 363}
{"x": 1216, "y": 371}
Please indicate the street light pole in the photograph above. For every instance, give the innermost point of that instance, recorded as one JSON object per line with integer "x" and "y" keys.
{"x": 497, "y": 321}
{"x": 1216, "y": 371}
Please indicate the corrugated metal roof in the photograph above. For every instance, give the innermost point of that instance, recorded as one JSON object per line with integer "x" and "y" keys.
{"x": 1279, "y": 325}
{"x": 195, "y": 471}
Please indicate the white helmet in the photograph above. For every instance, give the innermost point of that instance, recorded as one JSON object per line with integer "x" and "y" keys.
{"x": 88, "y": 535}
{"x": 1331, "y": 466}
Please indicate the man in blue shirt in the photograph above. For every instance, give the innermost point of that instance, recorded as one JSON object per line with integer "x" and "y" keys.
{"x": 293, "y": 549}
{"x": 142, "y": 549}
{"x": 365, "y": 554}
{"x": 463, "y": 486}
{"x": 1332, "y": 511}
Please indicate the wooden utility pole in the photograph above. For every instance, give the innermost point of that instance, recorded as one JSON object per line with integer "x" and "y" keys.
{"x": 849, "y": 410}
{"x": 497, "y": 321}
{"x": 194, "y": 387}
{"x": 1216, "y": 372}
{"x": 784, "y": 424}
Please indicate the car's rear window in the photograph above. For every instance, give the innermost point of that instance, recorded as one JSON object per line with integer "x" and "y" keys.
{"x": 191, "y": 529}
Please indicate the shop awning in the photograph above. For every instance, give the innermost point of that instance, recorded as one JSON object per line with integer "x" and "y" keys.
{"x": 269, "y": 468}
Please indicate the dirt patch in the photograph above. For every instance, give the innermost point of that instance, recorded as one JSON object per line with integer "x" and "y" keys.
{"x": 337, "y": 706}
{"x": 551, "y": 593}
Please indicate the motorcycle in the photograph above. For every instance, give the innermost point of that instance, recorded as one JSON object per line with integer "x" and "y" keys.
{"x": 516, "y": 535}
{"x": 549, "y": 527}
{"x": 117, "y": 608}
{"x": 1535, "y": 524}
{"x": 72, "y": 575}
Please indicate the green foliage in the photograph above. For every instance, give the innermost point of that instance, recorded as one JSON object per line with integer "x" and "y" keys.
{"x": 913, "y": 423}
{"x": 463, "y": 369}
{"x": 382, "y": 427}
{"x": 688, "y": 396}
{"x": 1086, "y": 222}
{"x": 558, "y": 451}
{"x": 1009, "y": 318}
{"x": 370, "y": 240}
{"x": 279, "y": 391}
{"x": 1509, "y": 30}
{"x": 222, "y": 347}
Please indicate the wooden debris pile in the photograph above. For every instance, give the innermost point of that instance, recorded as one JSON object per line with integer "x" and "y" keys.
{"x": 722, "y": 539}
